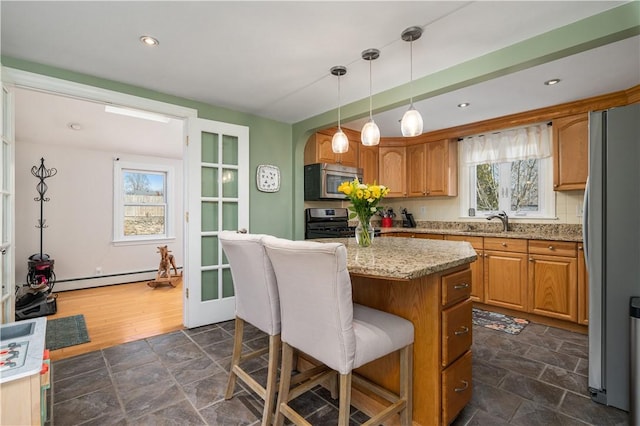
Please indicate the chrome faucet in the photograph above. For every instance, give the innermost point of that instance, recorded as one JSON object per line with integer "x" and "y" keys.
{"x": 503, "y": 218}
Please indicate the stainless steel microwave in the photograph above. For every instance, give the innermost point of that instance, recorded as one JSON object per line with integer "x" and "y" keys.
{"x": 321, "y": 180}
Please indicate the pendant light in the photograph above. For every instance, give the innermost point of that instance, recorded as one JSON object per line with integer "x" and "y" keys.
{"x": 411, "y": 124}
{"x": 340, "y": 142}
{"x": 370, "y": 134}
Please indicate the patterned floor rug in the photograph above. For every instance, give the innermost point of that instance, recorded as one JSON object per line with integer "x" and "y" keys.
{"x": 500, "y": 322}
{"x": 67, "y": 331}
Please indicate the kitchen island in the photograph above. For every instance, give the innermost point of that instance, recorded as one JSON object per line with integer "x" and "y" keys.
{"x": 427, "y": 282}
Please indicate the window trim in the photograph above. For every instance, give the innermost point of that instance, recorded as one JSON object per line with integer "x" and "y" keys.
{"x": 119, "y": 167}
{"x": 547, "y": 197}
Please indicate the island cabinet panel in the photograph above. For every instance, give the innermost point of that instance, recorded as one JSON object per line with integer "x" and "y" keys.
{"x": 441, "y": 365}
{"x": 505, "y": 273}
{"x": 392, "y": 170}
{"x": 477, "y": 267}
{"x": 456, "y": 387}
{"x": 456, "y": 287}
{"x": 456, "y": 331}
{"x": 570, "y": 152}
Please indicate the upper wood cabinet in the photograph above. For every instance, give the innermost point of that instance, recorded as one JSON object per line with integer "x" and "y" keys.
{"x": 368, "y": 162}
{"x": 442, "y": 168}
{"x": 570, "y": 152}
{"x": 432, "y": 169}
{"x": 318, "y": 150}
{"x": 392, "y": 171}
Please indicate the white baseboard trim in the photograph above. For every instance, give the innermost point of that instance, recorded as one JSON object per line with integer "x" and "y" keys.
{"x": 103, "y": 281}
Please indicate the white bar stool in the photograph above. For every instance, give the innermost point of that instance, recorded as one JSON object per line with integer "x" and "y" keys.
{"x": 257, "y": 303}
{"x": 320, "y": 319}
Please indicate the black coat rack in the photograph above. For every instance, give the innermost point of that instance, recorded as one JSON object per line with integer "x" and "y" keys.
{"x": 42, "y": 173}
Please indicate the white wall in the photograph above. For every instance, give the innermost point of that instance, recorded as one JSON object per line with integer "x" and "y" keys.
{"x": 79, "y": 216}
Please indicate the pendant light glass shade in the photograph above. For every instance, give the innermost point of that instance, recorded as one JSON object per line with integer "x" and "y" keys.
{"x": 411, "y": 123}
{"x": 370, "y": 134}
{"x": 339, "y": 142}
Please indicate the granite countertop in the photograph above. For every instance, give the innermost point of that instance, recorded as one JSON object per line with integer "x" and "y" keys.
{"x": 529, "y": 231}
{"x": 404, "y": 258}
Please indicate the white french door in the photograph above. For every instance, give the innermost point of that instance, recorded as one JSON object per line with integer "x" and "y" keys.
{"x": 7, "y": 209}
{"x": 217, "y": 167}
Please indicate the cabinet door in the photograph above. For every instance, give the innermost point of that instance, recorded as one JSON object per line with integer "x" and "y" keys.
{"x": 392, "y": 170}
{"x": 429, "y": 236}
{"x": 570, "y": 152}
{"x": 349, "y": 158}
{"x": 505, "y": 279}
{"x": 553, "y": 287}
{"x": 583, "y": 288}
{"x": 369, "y": 163}
{"x": 441, "y": 168}
{"x": 324, "y": 152}
{"x": 416, "y": 170}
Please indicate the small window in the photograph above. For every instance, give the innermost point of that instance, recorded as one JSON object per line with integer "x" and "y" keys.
{"x": 509, "y": 170}
{"x": 142, "y": 201}
{"x": 517, "y": 187}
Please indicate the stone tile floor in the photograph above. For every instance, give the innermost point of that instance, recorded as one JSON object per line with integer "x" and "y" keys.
{"x": 538, "y": 377}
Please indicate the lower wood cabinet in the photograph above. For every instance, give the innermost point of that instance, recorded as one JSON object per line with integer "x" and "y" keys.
{"x": 505, "y": 273}
{"x": 553, "y": 281}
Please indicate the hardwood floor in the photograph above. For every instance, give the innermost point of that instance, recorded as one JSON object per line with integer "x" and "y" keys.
{"x": 120, "y": 313}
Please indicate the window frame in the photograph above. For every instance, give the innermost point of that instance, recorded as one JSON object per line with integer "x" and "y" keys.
{"x": 119, "y": 170}
{"x": 546, "y": 195}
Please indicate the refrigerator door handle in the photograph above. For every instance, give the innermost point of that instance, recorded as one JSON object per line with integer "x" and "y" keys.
{"x": 585, "y": 224}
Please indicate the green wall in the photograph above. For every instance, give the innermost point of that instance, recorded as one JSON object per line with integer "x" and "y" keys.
{"x": 269, "y": 143}
{"x": 281, "y": 144}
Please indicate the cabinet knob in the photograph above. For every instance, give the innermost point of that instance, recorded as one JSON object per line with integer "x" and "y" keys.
{"x": 486, "y": 255}
{"x": 504, "y": 244}
{"x": 555, "y": 185}
{"x": 531, "y": 259}
{"x": 580, "y": 248}
{"x": 551, "y": 248}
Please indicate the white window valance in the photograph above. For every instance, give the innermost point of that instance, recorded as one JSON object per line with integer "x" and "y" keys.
{"x": 510, "y": 145}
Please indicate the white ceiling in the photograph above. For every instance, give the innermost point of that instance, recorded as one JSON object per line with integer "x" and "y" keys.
{"x": 272, "y": 59}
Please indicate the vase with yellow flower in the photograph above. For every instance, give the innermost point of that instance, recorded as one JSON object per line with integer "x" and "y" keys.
{"x": 364, "y": 204}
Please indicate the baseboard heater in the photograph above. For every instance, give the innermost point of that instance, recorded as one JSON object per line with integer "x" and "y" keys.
{"x": 105, "y": 280}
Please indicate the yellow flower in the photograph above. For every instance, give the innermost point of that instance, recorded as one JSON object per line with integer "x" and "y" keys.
{"x": 364, "y": 198}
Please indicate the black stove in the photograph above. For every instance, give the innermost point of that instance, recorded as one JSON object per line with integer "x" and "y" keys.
{"x": 328, "y": 223}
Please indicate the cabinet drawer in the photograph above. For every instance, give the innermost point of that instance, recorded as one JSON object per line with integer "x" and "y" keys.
{"x": 553, "y": 248}
{"x": 476, "y": 242}
{"x": 456, "y": 331}
{"x": 456, "y": 388}
{"x": 429, "y": 236}
{"x": 505, "y": 244}
{"x": 456, "y": 287}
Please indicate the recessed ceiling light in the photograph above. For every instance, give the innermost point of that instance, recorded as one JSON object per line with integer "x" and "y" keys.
{"x": 74, "y": 126}
{"x": 464, "y": 105}
{"x": 552, "y": 82}
{"x": 149, "y": 41}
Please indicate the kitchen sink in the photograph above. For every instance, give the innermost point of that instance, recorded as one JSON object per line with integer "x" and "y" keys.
{"x": 16, "y": 330}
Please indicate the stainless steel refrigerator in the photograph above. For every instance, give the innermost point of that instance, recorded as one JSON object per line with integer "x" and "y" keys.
{"x": 612, "y": 248}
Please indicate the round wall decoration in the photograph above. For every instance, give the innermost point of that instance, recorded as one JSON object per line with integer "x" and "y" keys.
{"x": 268, "y": 178}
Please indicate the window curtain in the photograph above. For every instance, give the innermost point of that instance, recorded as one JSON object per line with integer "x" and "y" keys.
{"x": 517, "y": 144}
